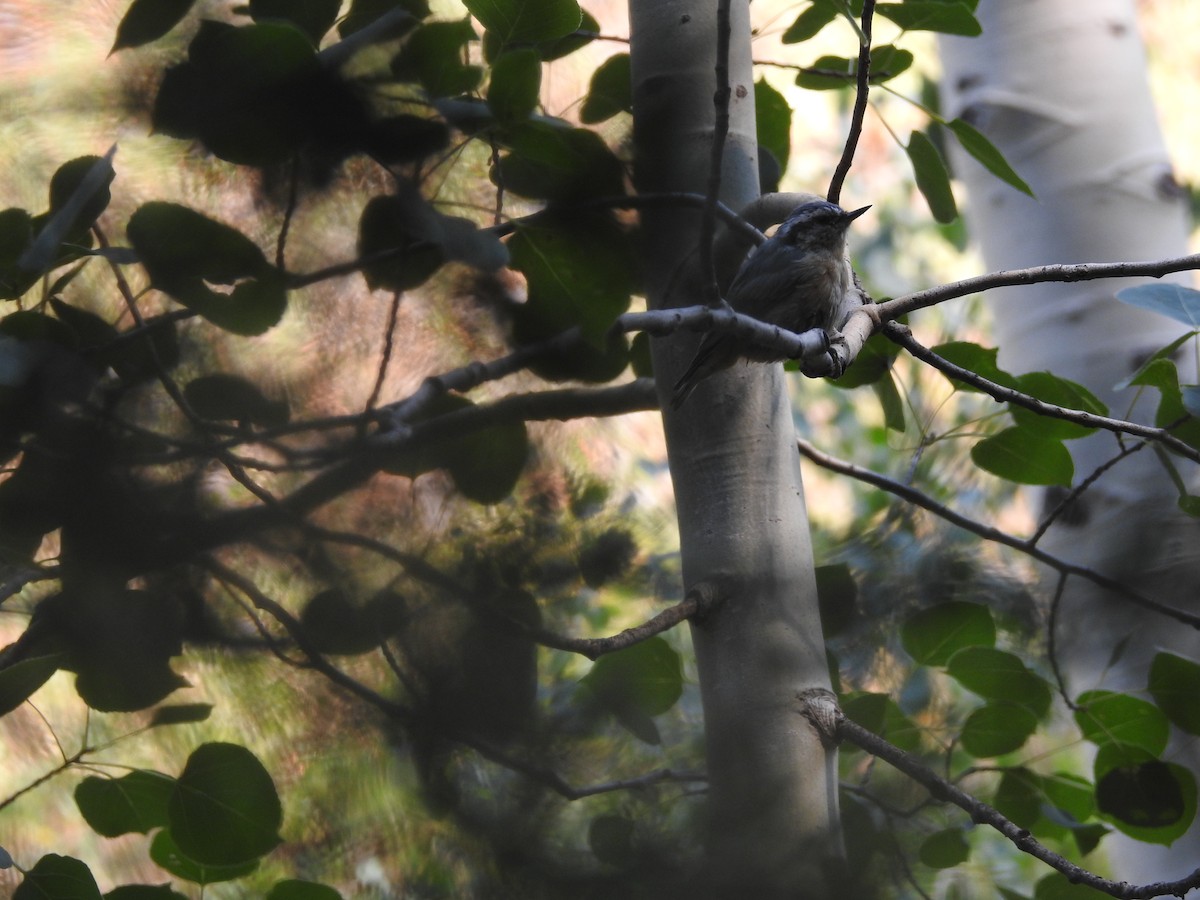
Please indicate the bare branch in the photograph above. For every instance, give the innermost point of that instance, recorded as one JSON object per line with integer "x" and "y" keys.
{"x": 901, "y": 335}
{"x": 908, "y": 303}
{"x": 987, "y": 532}
{"x": 981, "y": 813}
{"x": 860, "y": 104}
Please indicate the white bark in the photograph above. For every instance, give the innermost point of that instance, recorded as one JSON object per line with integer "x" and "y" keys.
{"x": 737, "y": 484}
{"x": 1060, "y": 87}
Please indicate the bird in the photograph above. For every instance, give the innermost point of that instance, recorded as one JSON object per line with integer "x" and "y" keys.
{"x": 798, "y": 279}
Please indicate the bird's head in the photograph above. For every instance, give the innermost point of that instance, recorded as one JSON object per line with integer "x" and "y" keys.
{"x": 817, "y": 223}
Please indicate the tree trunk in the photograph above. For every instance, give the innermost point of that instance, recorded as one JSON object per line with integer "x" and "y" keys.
{"x": 742, "y": 520}
{"x": 1061, "y": 88}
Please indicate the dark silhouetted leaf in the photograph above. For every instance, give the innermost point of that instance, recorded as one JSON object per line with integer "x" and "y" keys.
{"x": 1144, "y": 797}
{"x": 515, "y": 84}
{"x": 434, "y": 56}
{"x": 148, "y": 20}
{"x": 165, "y": 853}
{"x": 641, "y": 681}
{"x": 180, "y": 714}
{"x": 611, "y": 840}
{"x": 56, "y": 877}
{"x": 136, "y": 802}
{"x": 527, "y": 21}
{"x": 837, "y": 594}
{"x": 551, "y": 161}
{"x": 294, "y": 889}
{"x": 609, "y": 91}
{"x": 224, "y": 810}
{"x": 229, "y": 397}
{"x": 313, "y": 17}
{"x": 20, "y": 680}
{"x": 209, "y": 267}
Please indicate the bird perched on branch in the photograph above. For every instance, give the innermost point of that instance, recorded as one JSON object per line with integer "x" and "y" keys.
{"x": 798, "y": 279}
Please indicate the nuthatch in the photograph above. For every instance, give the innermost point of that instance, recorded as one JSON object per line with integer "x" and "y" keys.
{"x": 798, "y": 279}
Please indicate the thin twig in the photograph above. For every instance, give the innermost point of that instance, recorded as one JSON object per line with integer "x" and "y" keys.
{"x": 860, "y": 105}
{"x": 900, "y": 334}
{"x": 987, "y": 532}
{"x": 981, "y": 813}
{"x": 721, "y": 95}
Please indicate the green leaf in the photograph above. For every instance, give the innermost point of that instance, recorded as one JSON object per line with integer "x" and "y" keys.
{"x": 1163, "y": 375}
{"x": 891, "y": 402}
{"x": 1019, "y": 796}
{"x": 833, "y": 72}
{"x": 1106, "y": 717}
{"x": 16, "y": 235}
{"x": 484, "y": 464}
{"x": 180, "y": 714}
{"x": 515, "y": 85}
{"x": 1023, "y": 455}
{"x": 638, "y": 682}
{"x": 1057, "y": 392}
{"x": 435, "y": 55}
{"x": 144, "y": 892}
{"x": 294, "y": 889}
{"x": 986, "y": 153}
{"x": 1171, "y": 300}
{"x": 196, "y": 260}
{"x": 222, "y": 397}
{"x": 246, "y": 93}
{"x": 527, "y": 21}
{"x": 609, "y": 91}
{"x": 933, "y": 181}
{"x": 579, "y": 271}
{"x": 931, "y": 15}
{"x": 120, "y": 644}
{"x": 548, "y": 160}
{"x": 809, "y": 23}
{"x": 313, "y": 17}
{"x": 56, "y": 877}
{"x": 977, "y": 359}
{"x": 1175, "y": 685}
{"x": 933, "y": 635}
{"x": 944, "y": 849}
{"x": 148, "y": 20}
{"x": 1146, "y": 798}
{"x": 19, "y": 681}
{"x": 997, "y": 728}
{"x": 999, "y": 675}
{"x": 136, "y": 802}
{"x": 879, "y": 714}
{"x": 611, "y": 840}
{"x": 224, "y": 810}
{"x": 837, "y": 594}
{"x": 166, "y": 854}
{"x": 335, "y": 625}
{"x": 873, "y": 365}
{"x": 773, "y": 121}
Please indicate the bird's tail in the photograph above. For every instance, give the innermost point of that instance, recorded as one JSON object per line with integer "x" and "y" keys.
{"x": 715, "y": 353}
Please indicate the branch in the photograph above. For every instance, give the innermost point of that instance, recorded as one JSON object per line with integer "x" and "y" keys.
{"x": 908, "y": 303}
{"x": 982, "y": 814}
{"x": 901, "y": 335}
{"x": 699, "y": 602}
{"x": 987, "y": 532}
{"x": 860, "y": 104}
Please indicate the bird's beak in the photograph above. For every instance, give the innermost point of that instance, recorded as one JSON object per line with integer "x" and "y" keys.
{"x": 850, "y": 216}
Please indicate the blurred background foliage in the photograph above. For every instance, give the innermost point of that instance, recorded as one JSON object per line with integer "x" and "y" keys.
{"x": 584, "y": 543}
